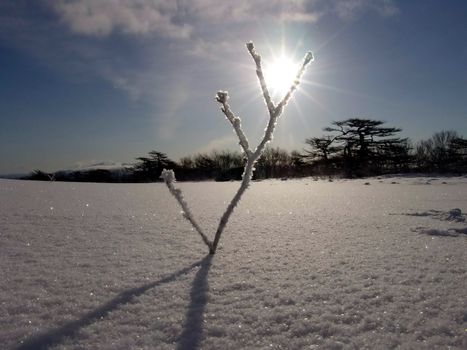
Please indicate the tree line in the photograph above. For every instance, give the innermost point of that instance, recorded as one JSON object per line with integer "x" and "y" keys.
{"x": 349, "y": 148}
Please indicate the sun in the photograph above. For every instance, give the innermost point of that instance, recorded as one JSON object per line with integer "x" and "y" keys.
{"x": 280, "y": 74}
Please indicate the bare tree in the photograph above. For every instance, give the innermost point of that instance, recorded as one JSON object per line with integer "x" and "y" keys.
{"x": 252, "y": 156}
{"x": 150, "y": 168}
{"x": 443, "y": 152}
{"x": 363, "y": 144}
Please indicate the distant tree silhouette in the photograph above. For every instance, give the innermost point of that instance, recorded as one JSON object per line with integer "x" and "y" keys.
{"x": 358, "y": 147}
{"x": 299, "y": 166}
{"x": 150, "y": 168}
{"x": 204, "y": 162}
{"x": 97, "y": 175}
{"x": 219, "y": 165}
{"x": 274, "y": 163}
{"x": 459, "y": 148}
{"x": 322, "y": 153}
{"x": 229, "y": 165}
{"x": 39, "y": 175}
{"x": 187, "y": 162}
{"x": 444, "y": 152}
{"x": 393, "y": 157}
{"x": 354, "y": 147}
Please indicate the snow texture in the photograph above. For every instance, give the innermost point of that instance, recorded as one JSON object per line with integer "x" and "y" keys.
{"x": 303, "y": 265}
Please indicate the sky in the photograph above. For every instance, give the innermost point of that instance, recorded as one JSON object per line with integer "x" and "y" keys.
{"x": 85, "y": 82}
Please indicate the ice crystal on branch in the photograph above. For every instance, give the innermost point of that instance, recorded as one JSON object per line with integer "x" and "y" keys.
{"x": 222, "y": 96}
{"x": 252, "y": 156}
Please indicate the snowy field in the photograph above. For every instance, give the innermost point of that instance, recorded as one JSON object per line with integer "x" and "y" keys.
{"x": 302, "y": 264}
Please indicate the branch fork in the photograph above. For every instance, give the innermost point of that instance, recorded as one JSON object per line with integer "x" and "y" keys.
{"x": 252, "y": 156}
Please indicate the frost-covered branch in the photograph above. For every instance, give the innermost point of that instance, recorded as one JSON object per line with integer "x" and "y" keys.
{"x": 262, "y": 81}
{"x": 274, "y": 112}
{"x": 307, "y": 59}
{"x": 252, "y": 157}
{"x": 222, "y": 97}
{"x": 169, "y": 178}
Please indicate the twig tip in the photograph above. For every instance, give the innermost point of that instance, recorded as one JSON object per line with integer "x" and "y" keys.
{"x": 222, "y": 96}
{"x": 309, "y": 57}
{"x": 168, "y": 176}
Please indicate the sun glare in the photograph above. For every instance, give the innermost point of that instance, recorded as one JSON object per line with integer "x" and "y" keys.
{"x": 280, "y": 75}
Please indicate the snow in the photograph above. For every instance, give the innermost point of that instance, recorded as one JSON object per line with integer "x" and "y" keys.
{"x": 302, "y": 264}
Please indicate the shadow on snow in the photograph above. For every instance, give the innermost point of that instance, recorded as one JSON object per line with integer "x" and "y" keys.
{"x": 193, "y": 327}
{"x": 190, "y": 337}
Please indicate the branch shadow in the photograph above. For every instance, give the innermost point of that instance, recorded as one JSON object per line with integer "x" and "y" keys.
{"x": 450, "y": 232}
{"x": 47, "y": 339}
{"x": 452, "y": 215}
{"x": 192, "y": 333}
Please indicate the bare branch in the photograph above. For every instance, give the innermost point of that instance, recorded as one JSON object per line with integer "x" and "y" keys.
{"x": 277, "y": 111}
{"x": 252, "y": 157}
{"x": 169, "y": 178}
{"x": 274, "y": 114}
{"x": 222, "y": 97}
{"x": 307, "y": 59}
{"x": 262, "y": 81}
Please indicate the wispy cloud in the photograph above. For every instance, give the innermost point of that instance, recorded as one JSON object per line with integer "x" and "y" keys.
{"x": 172, "y": 19}
{"x": 101, "y": 18}
{"x": 120, "y": 40}
{"x": 242, "y": 11}
{"x": 179, "y": 19}
{"x": 352, "y": 9}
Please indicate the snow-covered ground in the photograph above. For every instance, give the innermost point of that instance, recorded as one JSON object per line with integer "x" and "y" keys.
{"x": 303, "y": 264}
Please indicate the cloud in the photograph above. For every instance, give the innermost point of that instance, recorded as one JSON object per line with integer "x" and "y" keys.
{"x": 102, "y": 17}
{"x": 246, "y": 10}
{"x": 137, "y": 61}
{"x": 352, "y": 9}
{"x": 172, "y": 19}
{"x": 201, "y": 21}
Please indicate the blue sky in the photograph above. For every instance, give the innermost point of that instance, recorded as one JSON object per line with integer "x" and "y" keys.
{"x": 91, "y": 81}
